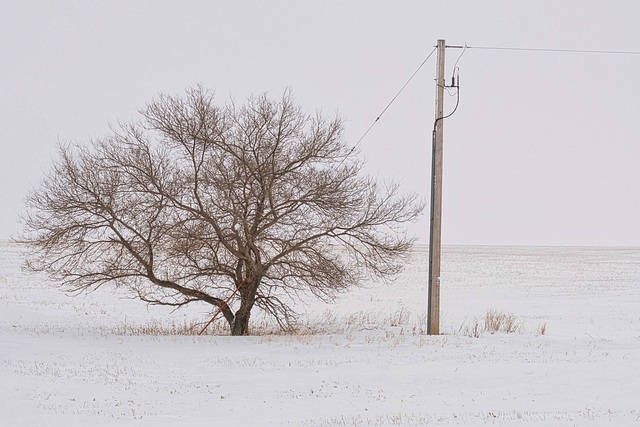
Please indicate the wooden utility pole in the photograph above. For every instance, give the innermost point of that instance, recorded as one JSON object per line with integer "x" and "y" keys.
{"x": 433, "y": 314}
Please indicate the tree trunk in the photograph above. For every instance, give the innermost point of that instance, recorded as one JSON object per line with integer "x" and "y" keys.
{"x": 241, "y": 323}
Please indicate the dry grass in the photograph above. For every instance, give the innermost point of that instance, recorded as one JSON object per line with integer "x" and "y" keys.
{"x": 400, "y": 322}
{"x": 399, "y": 317}
{"x": 492, "y": 322}
{"x": 474, "y": 330}
{"x": 327, "y": 323}
{"x": 542, "y": 329}
{"x": 495, "y": 321}
{"x": 158, "y": 328}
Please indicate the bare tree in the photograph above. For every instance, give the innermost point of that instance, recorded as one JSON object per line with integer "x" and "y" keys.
{"x": 196, "y": 198}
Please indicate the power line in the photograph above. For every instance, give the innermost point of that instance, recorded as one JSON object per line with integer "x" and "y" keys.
{"x": 534, "y": 49}
{"x": 392, "y": 100}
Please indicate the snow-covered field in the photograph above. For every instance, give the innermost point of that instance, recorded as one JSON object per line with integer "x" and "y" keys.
{"x": 75, "y": 361}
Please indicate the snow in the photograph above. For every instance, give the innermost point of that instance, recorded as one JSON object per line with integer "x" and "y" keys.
{"x": 66, "y": 360}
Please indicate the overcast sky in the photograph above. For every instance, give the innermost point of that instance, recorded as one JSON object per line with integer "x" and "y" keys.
{"x": 543, "y": 150}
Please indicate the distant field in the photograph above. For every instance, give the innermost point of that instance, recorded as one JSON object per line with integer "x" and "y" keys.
{"x": 572, "y": 359}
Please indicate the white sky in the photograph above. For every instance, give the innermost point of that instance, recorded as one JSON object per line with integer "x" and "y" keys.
{"x": 544, "y": 148}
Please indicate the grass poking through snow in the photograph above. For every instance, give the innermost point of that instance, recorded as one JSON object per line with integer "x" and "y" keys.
{"x": 495, "y": 321}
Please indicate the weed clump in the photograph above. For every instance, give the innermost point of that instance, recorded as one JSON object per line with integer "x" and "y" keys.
{"x": 492, "y": 322}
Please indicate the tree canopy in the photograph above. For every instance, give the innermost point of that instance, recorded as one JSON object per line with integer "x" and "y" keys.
{"x": 196, "y": 198}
